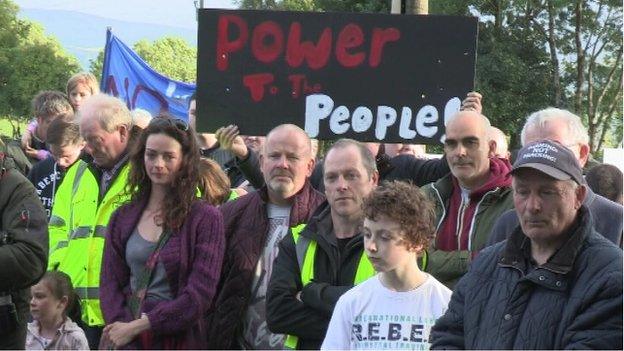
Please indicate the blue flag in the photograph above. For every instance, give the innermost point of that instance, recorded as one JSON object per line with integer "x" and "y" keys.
{"x": 126, "y": 76}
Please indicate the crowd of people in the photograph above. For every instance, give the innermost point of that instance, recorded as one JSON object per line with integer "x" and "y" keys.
{"x": 126, "y": 230}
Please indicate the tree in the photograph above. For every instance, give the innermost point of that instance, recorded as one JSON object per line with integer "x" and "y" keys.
{"x": 29, "y": 62}
{"x": 585, "y": 43}
{"x": 318, "y": 5}
{"x": 598, "y": 44}
{"x": 96, "y": 65}
{"x": 169, "y": 56}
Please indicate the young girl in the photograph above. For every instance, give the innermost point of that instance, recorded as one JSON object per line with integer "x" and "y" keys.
{"x": 164, "y": 250}
{"x": 214, "y": 184}
{"x": 79, "y": 87}
{"x": 396, "y": 308}
{"x": 53, "y": 302}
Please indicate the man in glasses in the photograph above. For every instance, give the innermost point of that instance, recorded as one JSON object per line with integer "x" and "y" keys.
{"x": 97, "y": 191}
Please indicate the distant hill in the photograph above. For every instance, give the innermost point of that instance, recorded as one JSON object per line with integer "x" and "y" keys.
{"x": 84, "y": 35}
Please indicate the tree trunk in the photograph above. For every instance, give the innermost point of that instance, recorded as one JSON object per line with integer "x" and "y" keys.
{"x": 580, "y": 58}
{"x": 552, "y": 45}
{"x": 417, "y": 7}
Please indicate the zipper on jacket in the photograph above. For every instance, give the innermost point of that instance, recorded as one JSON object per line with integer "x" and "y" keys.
{"x": 459, "y": 226}
{"x": 474, "y": 217}
{"x": 443, "y": 207}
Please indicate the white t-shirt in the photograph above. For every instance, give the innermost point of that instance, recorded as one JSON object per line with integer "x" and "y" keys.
{"x": 373, "y": 317}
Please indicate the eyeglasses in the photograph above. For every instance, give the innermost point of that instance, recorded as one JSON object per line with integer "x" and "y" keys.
{"x": 175, "y": 122}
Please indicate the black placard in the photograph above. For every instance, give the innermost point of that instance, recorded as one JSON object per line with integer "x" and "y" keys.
{"x": 370, "y": 77}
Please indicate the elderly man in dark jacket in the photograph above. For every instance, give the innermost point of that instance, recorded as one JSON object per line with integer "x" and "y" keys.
{"x": 566, "y": 128}
{"x": 554, "y": 284}
{"x": 254, "y": 225}
{"x": 23, "y": 250}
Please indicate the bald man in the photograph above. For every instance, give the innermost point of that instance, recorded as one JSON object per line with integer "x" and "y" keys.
{"x": 469, "y": 199}
{"x": 254, "y": 226}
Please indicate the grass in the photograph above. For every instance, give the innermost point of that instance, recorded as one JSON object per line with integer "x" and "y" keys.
{"x": 6, "y": 129}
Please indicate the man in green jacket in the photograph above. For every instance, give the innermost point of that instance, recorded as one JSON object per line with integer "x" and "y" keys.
{"x": 320, "y": 261}
{"x": 23, "y": 250}
{"x": 96, "y": 191}
{"x": 469, "y": 199}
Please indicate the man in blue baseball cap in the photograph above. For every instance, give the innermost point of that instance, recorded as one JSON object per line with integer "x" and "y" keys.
{"x": 554, "y": 284}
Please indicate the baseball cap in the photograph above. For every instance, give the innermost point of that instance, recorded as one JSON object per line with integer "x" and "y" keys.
{"x": 551, "y": 158}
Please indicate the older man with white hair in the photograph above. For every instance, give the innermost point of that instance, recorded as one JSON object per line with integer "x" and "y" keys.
{"x": 502, "y": 147}
{"x": 566, "y": 128}
{"x": 98, "y": 190}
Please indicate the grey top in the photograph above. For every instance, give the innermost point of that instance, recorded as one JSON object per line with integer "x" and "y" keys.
{"x": 138, "y": 250}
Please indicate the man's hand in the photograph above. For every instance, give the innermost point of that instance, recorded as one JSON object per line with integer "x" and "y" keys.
{"x": 229, "y": 139}
{"x": 472, "y": 102}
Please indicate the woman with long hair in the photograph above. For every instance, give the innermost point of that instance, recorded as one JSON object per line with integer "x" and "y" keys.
{"x": 164, "y": 249}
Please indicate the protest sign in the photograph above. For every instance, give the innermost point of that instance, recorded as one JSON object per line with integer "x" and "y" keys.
{"x": 371, "y": 77}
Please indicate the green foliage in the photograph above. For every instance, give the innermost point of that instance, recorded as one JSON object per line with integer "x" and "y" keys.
{"x": 318, "y": 5}
{"x": 29, "y": 62}
{"x": 96, "y": 65}
{"x": 169, "y": 56}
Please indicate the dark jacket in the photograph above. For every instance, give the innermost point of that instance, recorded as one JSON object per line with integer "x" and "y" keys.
{"x": 46, "y": 176}
{"x": 334, "y": 273}
{"x": 488, "y": 204}
{"x": 23, "y": 245}
{"x": 249, "y": 168}
{"x": 403, "y": 167}
{"x": 246, "y": 226}
{"x": 192, "y": 259}
{"x": 607, "y": 217}
{"x": 572, "y": 301}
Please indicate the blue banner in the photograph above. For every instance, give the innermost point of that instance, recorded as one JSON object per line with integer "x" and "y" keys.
{"x": 126, "y": 76}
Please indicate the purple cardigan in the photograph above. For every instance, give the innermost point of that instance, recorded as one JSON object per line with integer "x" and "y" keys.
{"x": 192, "y": 259}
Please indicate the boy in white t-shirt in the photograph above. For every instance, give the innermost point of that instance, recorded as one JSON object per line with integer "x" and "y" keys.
{"x": 396, "y": 308}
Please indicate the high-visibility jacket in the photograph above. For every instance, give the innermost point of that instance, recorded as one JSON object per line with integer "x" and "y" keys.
{"x": 233, "y": 195}
{"x": 306, "y": 252}
{"x": 89, "y": 219}
{"x": 61, "y": 224}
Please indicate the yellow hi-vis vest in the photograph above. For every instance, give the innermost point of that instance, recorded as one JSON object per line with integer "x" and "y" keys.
{"x": 61, "y": 224}
{"x": 306, "y": 252}
{"x": 83, "y": 258}
{"x": 233, "y": 195}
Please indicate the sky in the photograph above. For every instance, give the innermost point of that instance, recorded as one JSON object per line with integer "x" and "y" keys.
{"x": 176, "y": 13}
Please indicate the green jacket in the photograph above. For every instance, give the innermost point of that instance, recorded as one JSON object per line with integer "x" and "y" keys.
{"x": 63, "y": 221}
{"x": 85, "y": 219}
{"x": 23, "y": 243}
{"x": 449, "y": 266}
